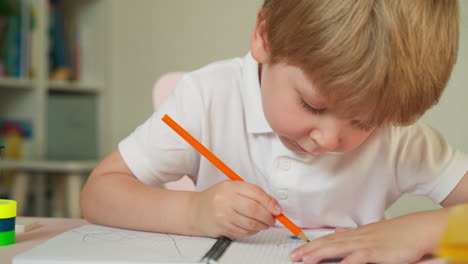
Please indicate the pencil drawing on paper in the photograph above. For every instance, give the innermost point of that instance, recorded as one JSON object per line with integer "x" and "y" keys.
{"x": 166, "y": 241}
{"x": 102, "y": 244}
{"x": 166, "y": 245}
{"x": 264, "y": 247}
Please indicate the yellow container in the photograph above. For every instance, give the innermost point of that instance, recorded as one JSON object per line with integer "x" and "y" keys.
{"x": 7, "y": 222}
{"x": 454, "y": 243}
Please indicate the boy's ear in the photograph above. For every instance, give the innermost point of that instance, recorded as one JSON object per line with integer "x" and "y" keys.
{"x": 258, "y": 41}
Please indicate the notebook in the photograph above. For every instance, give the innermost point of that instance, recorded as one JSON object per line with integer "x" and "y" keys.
{"x": 95, "y": 244}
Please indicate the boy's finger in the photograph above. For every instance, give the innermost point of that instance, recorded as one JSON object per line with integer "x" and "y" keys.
{"x": 251, "y": 224}
{"x": 359, "y": 256}
{"x": 258, "y": 194}
{"x": 316, "y": 255}
{"x": 240, "y": 231}
{"x": 249, "y": 208}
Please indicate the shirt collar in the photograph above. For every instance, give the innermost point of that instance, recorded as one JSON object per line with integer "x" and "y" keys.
{"x": 253, "y": 110}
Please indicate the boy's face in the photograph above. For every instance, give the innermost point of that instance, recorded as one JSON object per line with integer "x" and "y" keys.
{"x": 303, "y": 119}
{"x": 294, "y": 108}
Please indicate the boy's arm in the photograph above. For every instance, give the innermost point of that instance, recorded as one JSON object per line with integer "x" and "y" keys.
{"x": 459, "y": 194}
{"x": 113, "y": 196}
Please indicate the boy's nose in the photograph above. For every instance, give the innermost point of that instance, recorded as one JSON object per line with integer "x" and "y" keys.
{"x": 328, "y": 142}
{"x": 327, "y": 138}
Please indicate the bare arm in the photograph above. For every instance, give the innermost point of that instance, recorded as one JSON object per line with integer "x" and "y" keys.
{"x": 114, "y": 196}
{"x": 459, "y": 194}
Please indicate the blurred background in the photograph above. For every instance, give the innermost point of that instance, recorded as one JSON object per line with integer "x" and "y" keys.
{"x": 76, "y": 77}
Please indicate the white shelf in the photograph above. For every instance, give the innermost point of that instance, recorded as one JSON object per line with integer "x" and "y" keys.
{"x": 74, "y": 87}
{"x": 60, "y": 86}
{"x": 16, "y": 83}
{"x": 49, "y": 165}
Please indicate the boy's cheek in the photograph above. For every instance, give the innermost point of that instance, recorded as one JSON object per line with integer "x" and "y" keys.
{"x": 352, "y": 142}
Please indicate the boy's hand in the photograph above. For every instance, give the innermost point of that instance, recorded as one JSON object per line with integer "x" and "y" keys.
{"x": 405, "y": 239}
{"x": 233, "y": 209}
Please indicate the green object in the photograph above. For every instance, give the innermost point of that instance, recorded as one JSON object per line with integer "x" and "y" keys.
{"x": 7, "y": 238}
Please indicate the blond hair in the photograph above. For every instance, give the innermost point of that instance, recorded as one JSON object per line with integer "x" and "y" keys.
{"x": 390, "y": 59}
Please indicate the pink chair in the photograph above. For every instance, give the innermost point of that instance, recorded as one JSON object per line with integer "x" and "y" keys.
{"x": 161, "y": 89}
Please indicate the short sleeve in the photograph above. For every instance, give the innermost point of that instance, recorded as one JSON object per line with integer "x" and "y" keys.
{"x": 426, "y": 164}
{"x": 154, "y": 152}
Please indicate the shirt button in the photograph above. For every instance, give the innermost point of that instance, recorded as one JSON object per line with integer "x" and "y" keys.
{"x": 284, "y": 164}
{"x": 282, "y": 194}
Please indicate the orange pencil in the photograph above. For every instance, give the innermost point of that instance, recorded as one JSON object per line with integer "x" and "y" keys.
{"x": 226, "y": 170}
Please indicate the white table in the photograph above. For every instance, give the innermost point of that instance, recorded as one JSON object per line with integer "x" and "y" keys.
{"x": 48, "y": 228}
{"x": 51, "y": 227}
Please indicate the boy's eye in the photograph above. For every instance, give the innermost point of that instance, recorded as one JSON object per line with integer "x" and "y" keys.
{"x": 355, "y": 123}
{"x": 310, "y": 108}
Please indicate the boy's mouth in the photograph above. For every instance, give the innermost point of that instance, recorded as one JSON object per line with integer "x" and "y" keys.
{"x": 315, "y": 153}
{"x": 301, "y": 148}
{"x": 304, "y": 150}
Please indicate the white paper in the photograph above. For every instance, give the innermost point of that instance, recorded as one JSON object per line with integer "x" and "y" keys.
{"x": 94, "y": 244}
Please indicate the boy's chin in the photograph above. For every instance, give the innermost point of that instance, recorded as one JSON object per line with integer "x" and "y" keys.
{"x": 295, "y": 147}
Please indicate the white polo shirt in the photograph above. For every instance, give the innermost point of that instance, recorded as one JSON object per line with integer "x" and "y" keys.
{"x": 221, "y": 106}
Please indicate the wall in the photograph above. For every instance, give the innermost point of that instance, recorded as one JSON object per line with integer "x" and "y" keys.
{"x": 152, "y": 37}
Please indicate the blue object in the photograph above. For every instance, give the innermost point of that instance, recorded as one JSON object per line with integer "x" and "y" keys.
{"x": 58, "y": 50}
{"x": 7, "y": 224}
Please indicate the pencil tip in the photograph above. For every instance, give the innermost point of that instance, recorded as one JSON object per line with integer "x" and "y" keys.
{"x": 303, "y": 237}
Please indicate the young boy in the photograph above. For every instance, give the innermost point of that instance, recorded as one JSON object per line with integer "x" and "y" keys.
{"x": 319, "y": 119}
